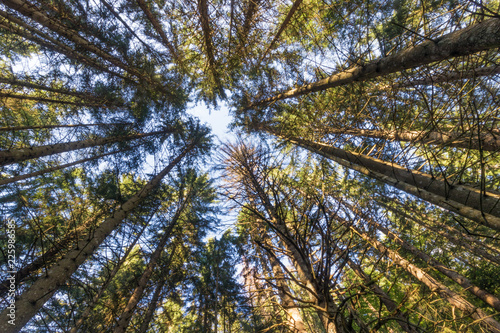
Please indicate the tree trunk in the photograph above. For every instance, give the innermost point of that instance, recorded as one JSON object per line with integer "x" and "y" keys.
{"x": 88, "y": 310}
{"x": 157, "y": 26}
{"x": 34, "y": 298}
{"x": 56, "y": 46}
{"x": 89, "y": 104}
{"x": 31, "y": 11}
{"x": 487, "y": 141}
{"x": 479, "y": 206}
{"x": 295, "y": 321}
{"x": 453, "y": 236}
{"x": 37, "y": 127}
{"x": 485, "y": 296}
{"x": 22, "y": 154}
{"x": 479, "y": 37}
{"x": 53, "y": 254}
{"x": 283, "y": 26}
{"x": 136, "y": 296}
{"x": 55, "y": 168}
{"x": 453, "y": 298}
{"x": 402, "y": 320}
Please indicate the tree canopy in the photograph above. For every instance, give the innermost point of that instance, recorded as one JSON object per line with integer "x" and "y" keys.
{"x": 361, "y": 191}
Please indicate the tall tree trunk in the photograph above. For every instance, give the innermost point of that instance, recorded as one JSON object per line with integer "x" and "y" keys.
{"x": 486, "y": 141}
{"x": 454, "y": 236}
{"x": 295, "y": 321}
{"x": 31, "y": 11}
{"x": 485, "y": 296}
{"x": 136, "y": 296}
{"x": 156, "y": 296}
{"x": 55, "y": 168}
{"x": 402, "y": 320}
{"x": 453, "y": 298}
{"x": 283, "y": 26}
{"x": 37, "y": 127}
{"x": 479, "y": 206}
{"x": 479, "y": 37}
{"x": 34, "y": 298}
{"x": 52, "y": 44}
{"x": 22, "y": 154}
{"x": 89, "y": 104}
{"x": 157, "y": 26}
{"x": 88, "y": 310}
{"x": 451, "y": 76}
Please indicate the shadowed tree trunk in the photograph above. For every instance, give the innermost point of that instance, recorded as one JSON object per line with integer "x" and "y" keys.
{"x": 22, "y": 154}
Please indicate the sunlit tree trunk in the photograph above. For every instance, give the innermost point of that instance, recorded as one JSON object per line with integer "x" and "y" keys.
{"x": 34, "y": 298}
{"x": 469, "y": 243}
{"x": 402, "y": 320}
{"x": 479, "y": 37}
{"x": 453, "y": 298}
{"x": 485, "y": 296}
{"x": 38, "y": 127}
{"x": 479, "y": 206}
{"x": 486, "y": 141}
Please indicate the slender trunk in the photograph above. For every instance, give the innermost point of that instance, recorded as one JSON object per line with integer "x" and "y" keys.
{"x": 453, "y": 236}
{"x": 479, "y": 37}
{"x": 136, "y": 296}
{"x": 482, "y": 207}
{"x": 88, "y": 310}
{"x": 31, "y": 11}
{"x": 156, "y": 296}
{"x": 89, "y": 104}
{"x": 453, "y": 298}
{"x": 485, "y": 296}
{"x": 247, "y": 24}
{"x": 37, "y": 127}
{"x": 22, "y": 154}
{"x": 283, "y": 26}
{"x": 207, "y": 37}
{"x": 153, "y": 305}
{"x": 157, "y": 26}
{"x": 402, "y": 320}
{"x": 52, "y": 44}
{"x": 487, "y": 141}
{"x": 34, "y": 298}
{"x": 55, "y": 168}
{"x": 452, "y": 76}
{"x": 295, "y": 321}
{"x": 36, "y": 86}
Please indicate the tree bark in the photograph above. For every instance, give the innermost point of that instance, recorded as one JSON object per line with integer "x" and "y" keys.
{"x": 55, "y": 168}
{"x": 403, "y": 320}
{"x": 453, "y": 298}
{"x": 453, "y": 236}
{"x": 479, "y": 206}
{"x": 37, "y": 127}
{"x": 157, "y": 26}
{"x": 136, "y": 296}
{"x": 475, "y": 38}
{"x": 485, "y": 296}
{"x": 42, "y": 290}
{"x": 88, "y": 310}
{"x": 22, "y": 154}
{"x": 486, "y": 141}
{"x": 31, "y": 11}
{"x": 283, "y": 26}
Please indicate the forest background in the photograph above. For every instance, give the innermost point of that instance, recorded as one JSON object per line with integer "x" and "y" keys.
{"x": 361, "y": 178}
